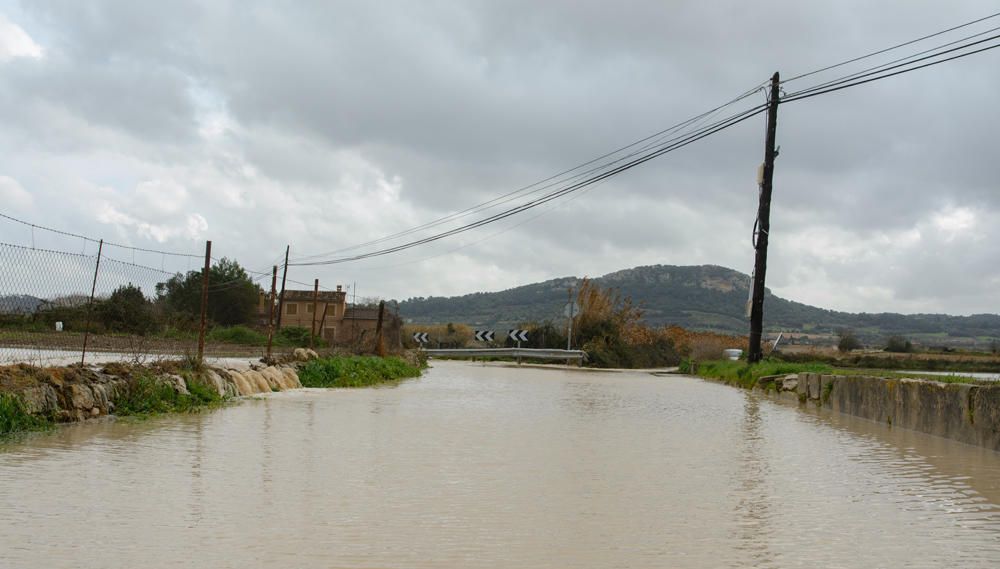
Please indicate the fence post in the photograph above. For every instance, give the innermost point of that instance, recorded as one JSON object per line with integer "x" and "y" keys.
{"x": 204, "y": 302}
{"x": 312, "y": 329}
{"x": 379, "y": 346}
{"x": 270, "y": 309}
{"x": 90, "y": 303}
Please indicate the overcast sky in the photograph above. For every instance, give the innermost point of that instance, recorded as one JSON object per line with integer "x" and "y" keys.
{"x": 323, "y": 124}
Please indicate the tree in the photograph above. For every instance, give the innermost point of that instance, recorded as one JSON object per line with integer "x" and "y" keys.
{"x": 848, "y": 341}
{"x": 127, "y": 310}
{"x": 898, "y": 344}
{"x": 232, "y": 294}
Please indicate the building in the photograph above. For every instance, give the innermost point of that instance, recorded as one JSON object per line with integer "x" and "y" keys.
{"x": 328, "y": 314}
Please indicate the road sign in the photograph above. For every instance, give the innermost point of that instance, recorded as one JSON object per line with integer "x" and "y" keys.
{"x": 518, "y": 335}
{"x": 484, "y": 335}
{"x": 421, "y": 337}
{"x": 571, "y": 310}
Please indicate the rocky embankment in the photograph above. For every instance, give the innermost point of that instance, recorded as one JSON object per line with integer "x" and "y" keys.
{"x": 76, "y": 393}
{"x": 968, "y": 413}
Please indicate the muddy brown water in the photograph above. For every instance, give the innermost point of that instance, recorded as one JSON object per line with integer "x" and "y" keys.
{"x": 474, "y": 466}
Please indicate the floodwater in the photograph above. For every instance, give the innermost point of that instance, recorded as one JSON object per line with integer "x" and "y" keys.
{"x": 483, "y": 466}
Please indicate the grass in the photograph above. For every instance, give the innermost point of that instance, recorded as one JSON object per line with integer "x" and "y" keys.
{"x": 355, "y": 371}
{"x": 745, "y": 375}
{"x": 144, "y": 395}
{"x": 15, "y": 418}
{"x": 290, "y": 337}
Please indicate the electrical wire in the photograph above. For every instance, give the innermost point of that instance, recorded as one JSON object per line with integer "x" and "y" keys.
{"x": 34, "y": 226}
{"x": 689, "y": 139}
{"x": 891, "y": 48}
{"x": 545, "y": 183}
{"x": 847, "y": 83}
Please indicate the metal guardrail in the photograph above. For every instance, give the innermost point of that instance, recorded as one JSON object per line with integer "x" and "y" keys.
{"x": 529, "y": 353}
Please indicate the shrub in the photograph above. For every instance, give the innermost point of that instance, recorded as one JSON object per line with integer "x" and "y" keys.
{"x": 15, "y": 417}
{"x": 355, "y": 371}
{"x": 127, "y": 310}
{"x": 848, "y": 341}
{"x": 144, "y": 394}
{"x": 898, "y": 344}
{"x": 237, "y": 335}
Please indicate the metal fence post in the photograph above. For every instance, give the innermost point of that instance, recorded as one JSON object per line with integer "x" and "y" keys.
{"x": 204, "y": 302}
{"x": 90, "y": 303}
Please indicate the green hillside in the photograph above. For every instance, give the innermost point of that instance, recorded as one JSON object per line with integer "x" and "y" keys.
{"x": 704, "y": 297}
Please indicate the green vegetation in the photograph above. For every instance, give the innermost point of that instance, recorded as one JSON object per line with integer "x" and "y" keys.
{"x": 898, "y": 344}
{"x": 127, "y": 310}
{"x": 15, "y": 418}
{"x": 355, "y": 371}
{"x": 746, "y": 375}
{"x": 889, "y": 362}
{"x": 143, "y": 394}
{"x": 290, "y": 337}
{"x": 847, "y": 341}
{"x": 234, "y": 303}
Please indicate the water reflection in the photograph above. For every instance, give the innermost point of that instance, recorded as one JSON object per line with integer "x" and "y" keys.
{"x": 753, "y": 506}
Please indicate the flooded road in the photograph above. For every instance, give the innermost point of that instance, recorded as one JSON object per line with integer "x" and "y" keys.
{"x": 474, "y": 466}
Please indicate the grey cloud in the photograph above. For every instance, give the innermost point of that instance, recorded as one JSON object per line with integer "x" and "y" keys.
{"x": 452, "y": 103}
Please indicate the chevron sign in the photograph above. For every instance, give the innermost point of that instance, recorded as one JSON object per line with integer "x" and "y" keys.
{"x": 421, "y": 337}
{"x": 518, "y": 335}
{"x": 484, "y": 335}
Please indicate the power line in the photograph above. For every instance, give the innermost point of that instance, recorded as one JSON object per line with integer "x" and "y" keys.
{"x": 544, "y": 184}
{"x": 890, "y": 64}
{"x": 689, "y": 139}
{"x": 891, "y": 48}
{"x": 92, "y": 240}
{"x": 847, "y": 83}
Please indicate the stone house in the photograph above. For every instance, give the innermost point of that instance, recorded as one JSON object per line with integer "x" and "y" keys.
{"x": 328, "y": 314}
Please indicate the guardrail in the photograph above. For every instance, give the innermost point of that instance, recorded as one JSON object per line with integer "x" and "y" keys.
{"x": 527, "y": 353}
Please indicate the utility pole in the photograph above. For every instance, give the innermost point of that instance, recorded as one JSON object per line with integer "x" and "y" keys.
{"x": 281, "y": 299}
{"x": 270, "y": 310}
{"x": 569, "y": 323}
{"x": 755, "y": 353}
{"x": 312, "y": 329}
{"x": 204, "y": 302}
{"x": 379, "y": 345}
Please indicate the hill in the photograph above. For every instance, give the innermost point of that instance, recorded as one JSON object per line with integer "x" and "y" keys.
{"x": 704, "y": 297}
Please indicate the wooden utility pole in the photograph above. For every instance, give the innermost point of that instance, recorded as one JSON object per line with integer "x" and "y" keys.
{"x": 204, "y": 302}
{"x": 312, "y": 329}
{"x": 755, "y": 353}
{"x": 569, "y": 318}
{"x": 270, "y": 309}
{"x": 379, "y": 346}
{"x": 281, "y": 299}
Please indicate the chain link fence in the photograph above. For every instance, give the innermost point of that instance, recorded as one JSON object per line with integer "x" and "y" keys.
{"x": 58, "y": 308}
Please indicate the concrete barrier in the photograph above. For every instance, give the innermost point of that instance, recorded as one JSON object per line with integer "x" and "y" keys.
{"x": 963, "y": 412}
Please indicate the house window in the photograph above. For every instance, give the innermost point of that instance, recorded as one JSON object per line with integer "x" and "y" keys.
{"x": 310, "y": 308}
{"x": 292, "y": 309}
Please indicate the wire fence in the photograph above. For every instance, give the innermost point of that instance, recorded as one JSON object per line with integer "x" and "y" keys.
{"x": 59, "y": 307}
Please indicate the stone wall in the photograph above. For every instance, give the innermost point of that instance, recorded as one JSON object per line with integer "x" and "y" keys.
{"x": 963, "y": 412}
{"x": 77, "y": 393}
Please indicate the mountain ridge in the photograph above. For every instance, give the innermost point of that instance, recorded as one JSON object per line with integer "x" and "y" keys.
{"x": 701, "y": 297}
